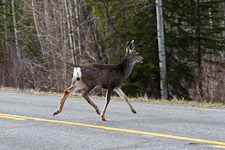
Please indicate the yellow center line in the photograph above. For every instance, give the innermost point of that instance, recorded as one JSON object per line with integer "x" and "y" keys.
{"x": 12, "y": 118}
{"x": 218, "y": 144}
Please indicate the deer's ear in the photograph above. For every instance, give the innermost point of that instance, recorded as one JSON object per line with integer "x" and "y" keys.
{"x": 132, "y": 45}
{"x": 127, "y": 47}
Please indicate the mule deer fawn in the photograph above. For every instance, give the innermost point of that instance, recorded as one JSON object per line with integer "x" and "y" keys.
{"x": 108, "y": 76}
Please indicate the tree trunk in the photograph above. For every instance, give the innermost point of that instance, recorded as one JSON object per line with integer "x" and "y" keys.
{"x": 58, "y": 47}
{"x": 5, "y": 28}
{"x": 122, "y": 12}
{"x": 70, "y": 31}
{"x": 6, "y": 44}
{"x": 199, "y": 55}
{"x": 17, "y": 66}
{"x": 162, "y": 56}
{"x": 15, "y": 31}
{"x": 48, "y": 43}
{"x": 37, "y": 26}
{"x": 64, "y": 47}
{"x": 223, "y": 26}
{"x": 77, "y": 14}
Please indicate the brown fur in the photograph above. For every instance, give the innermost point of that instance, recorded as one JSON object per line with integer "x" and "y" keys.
{"x": 108, "y": 76}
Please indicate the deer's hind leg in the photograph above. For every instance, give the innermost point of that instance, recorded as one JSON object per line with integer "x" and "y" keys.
{"x": 74, "y": 87}
{"x": 85, "y": 95}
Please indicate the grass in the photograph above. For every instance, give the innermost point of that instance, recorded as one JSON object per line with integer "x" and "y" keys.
{"x": 175, "y": 101}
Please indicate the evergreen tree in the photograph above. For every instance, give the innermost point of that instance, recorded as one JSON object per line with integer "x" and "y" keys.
{"x": 193, "y": 40}
{"x": 193, "y": 29}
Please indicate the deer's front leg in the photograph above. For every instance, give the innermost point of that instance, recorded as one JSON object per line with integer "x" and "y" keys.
{"x": 108, "y": 95}
{"x": 124, "y": 96}
{"x": 63, "y": 99}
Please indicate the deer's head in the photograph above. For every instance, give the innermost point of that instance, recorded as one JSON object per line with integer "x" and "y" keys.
{"x": 132, "y": 54}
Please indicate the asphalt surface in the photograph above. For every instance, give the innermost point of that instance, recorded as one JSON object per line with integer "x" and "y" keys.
{"x": 26, "y": 122}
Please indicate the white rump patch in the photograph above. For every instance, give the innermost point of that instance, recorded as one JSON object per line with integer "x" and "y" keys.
{"x": 77, "y": 73}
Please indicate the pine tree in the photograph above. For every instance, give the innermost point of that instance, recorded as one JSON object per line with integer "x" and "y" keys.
{"x": 193, "y": 29}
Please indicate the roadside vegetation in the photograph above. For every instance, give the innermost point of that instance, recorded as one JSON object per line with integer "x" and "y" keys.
{"x": 174, "y": 101}
{"x": 42, "y": 40}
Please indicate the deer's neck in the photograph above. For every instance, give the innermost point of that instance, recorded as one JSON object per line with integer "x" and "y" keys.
{"x": 127, "y": 67}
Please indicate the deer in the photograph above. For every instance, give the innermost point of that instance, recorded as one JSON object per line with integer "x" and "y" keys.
{"x": 107, "y": 76}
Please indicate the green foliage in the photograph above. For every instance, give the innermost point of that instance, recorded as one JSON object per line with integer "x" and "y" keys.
{"x": 188, "y": 25}
{"x": 193, "y": 28}
{"x": 145, "y": 76}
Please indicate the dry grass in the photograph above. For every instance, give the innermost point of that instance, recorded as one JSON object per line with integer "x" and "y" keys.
{"x": 174, "y": 101}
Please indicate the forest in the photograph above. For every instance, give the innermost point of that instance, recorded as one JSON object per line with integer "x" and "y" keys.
{"x": 42, "y": 40}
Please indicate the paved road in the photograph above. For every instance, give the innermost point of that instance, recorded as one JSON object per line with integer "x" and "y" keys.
{"x": 26, "y": 122}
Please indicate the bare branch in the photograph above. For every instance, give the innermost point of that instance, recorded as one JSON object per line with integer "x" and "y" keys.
{"x": 110, "y": 21}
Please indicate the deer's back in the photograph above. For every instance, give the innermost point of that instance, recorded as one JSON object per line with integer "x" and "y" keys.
{"x": 102, "y": 75}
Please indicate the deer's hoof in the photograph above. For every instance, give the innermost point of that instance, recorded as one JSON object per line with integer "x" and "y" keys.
{"x": 97, "y": 111}
{"x": 103, "y": 118}
{"x": 56, "y": 112}
{"x": 134, "y": 111}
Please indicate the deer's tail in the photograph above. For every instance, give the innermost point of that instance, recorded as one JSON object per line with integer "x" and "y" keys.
{"x": 77, "y": 73}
